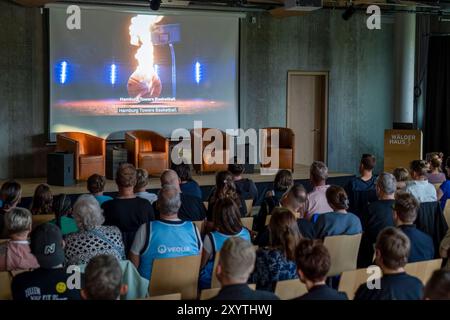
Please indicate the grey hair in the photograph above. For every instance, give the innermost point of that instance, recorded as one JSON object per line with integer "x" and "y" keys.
{"x": 87, "y": 212}
{"x": 169, "y": 200}
{"x": 319, "y": 171}
{"x": 387, "y": 183}
{"x": 17, "y": 220}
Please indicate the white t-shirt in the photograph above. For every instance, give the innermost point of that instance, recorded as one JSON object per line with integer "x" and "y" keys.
{"x": 147, "y": 195}
{"x": 422, "y": 190}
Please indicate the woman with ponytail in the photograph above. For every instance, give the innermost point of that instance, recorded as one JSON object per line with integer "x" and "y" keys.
{"x": 338, "y": 222}
{"x": 277, "y": 261}
{"x": 10, "y": 195}
{"x": 62, "y": 208}
{"x": 42, "y": 200}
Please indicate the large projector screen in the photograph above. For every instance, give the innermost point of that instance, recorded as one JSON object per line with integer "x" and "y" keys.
{"x": 128, "y": 69}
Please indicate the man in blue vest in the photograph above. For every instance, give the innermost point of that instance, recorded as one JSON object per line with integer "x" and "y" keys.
{"x": 168, "y": 237}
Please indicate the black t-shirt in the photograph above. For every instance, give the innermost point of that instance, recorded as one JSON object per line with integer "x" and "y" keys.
{"x": 192, "y": 208}
{"x": 323, "y": 292}
{"x": 247, "y": 189}
{"x": 305, "y": 226}
{"x": 44, "y": 284}
{"x": 128, "y": 215}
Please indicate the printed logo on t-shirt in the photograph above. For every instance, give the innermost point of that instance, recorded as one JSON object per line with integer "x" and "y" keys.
{"x": 61, "y": 287}
{"x": 162, "y": 249}
{"x": 50, "y": 249}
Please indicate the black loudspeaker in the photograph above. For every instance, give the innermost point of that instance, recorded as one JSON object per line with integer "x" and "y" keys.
{"x": 60, "y": 169}
{"x": 247, "y": 149}
{"x": 114, "y": 158}
{"x": 402, "y": 126}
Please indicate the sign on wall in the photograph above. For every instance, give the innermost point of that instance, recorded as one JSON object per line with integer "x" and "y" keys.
{"x": 401, "y": 147}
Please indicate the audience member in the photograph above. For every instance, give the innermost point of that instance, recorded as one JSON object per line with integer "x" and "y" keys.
{"x": 15, "y": 254}
{"x": 10, "y": 194}
{"x": 338, "y": 222}
{"x": 96, "y": 185}
{"x": 313, "y": 264}
{"x": 188, "y": 186}
{"x": 168, "y": 237}
{"x": 42, "y": 200}
{"x": 127, "y": 212}
{"x": 438, "y": 287}
{"x": 227, "y": 224}
{"x": 402, "y": 177}
{"x": 419, "y": 187}
{"x": 244, "y": 186}
{"x": 236, "y": 263}
{"x": 141, "y": 184}
{"x": 192, "y": 207}
{"x": 443, "y": 193}
{"x": 103, "y": 279}
{"x": 93, "y": 238}
{"x": 49, "y": 281}
{"x": 392, "y": 250}
{"x": 62, "y": 207}
{"x": 435, "y": 175}
{"x": 405, "y": 213}
{"x": 317, "y": 200}
{"x": 444, "y": 249}
{"x": 277, "y": 261}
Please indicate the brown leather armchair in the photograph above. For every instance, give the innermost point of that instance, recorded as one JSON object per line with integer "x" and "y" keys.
{"x": 286, "y": 147}
{"x": 223, "y": 155}
{"x": 89, "y": 152}
{"x": 147, "y": 150}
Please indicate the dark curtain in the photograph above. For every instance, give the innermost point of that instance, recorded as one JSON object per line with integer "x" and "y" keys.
{"x": 437, "y": 111}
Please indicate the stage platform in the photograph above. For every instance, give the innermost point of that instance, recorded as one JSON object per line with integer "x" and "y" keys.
{"x": 206, "y": 181}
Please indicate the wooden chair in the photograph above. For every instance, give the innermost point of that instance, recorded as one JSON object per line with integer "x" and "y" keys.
{"x": 205, "y": 203}
{"x": 290, "y": 289}
{"x": 207, "y": 294}
{"x": 344, "y": 252}
{"x": 249, "y": 205}
{"x": 173, "y": 296}
{"x": 39, "y": 219}
{"x": 214, "y": 281}
{"x": 437, "y": 186}
{"x": 247, "y": 222}
{"x": 351, "y": 280}
{"x": 200, "y": 225}
{"x": 172, "y": 275}
{"x": 268, "y": 219}
{"x": 423, "y": 269}
{"x": 285, "y": 150}
{"x": 3, "y": 240}
{"x": 206, "y": 158}
{"x": 5, "y": 285}
{"x": 447, "y": 212}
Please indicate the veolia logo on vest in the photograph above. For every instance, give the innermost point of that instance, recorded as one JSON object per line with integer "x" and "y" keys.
{"x": 163, "y": 249}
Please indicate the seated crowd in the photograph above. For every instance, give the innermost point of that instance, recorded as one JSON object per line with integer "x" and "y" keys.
{"x": 99, "y": 232}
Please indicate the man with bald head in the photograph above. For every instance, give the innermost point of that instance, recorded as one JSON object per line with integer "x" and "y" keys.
{"x": 168, "y": 237}
{"x": 192, "y": 208}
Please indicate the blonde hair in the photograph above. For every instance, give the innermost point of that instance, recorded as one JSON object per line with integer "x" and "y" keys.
{"x": 17, "y": 220}
{"x": 237, "y": 258}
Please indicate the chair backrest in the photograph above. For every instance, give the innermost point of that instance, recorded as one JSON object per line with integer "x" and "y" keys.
{"x": 437, "y": 186}
{"x": 344, "y": 252}
{"x": 351, "y": 280}
{"x": 173, "y": 275}
{"x": 247, "y": 222}
{"x": 3, "y": 240}
{"x": 423, "y": 269}
{"x": 290, "y": 289}
{"x": 200, "y": 225}
{"x": 268, "y": 219}
{"x": 173, "y": 296}
{"x": 206, "y": 203}
{"x": 207, "y": 294}
{"x": 249, "y": 206}
{"x": 214, "y": 281}
{"x": 5, "y": 285}
{"x": 447, "y": 212}
{"x": 39, "y": 219}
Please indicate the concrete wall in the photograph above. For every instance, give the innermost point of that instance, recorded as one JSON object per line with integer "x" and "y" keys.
{"x": 360, "y": 85}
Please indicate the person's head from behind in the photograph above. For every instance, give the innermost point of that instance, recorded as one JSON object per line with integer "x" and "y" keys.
{"x": 438, "y": 287}
{"x": 169, "y": 201}
{"x": 126, "y": 177}
{"x": 10, "y": 194}
{"x": 103, "y": 279}
{"x": 283, "y": 232}
{"x": 225, "y": 186}
{"x": 170, "y": 177}
{"x": 318, "y": 173}
{"x": 418, "y": 169}
{"x": 313, "y": 262}
{"x": 283, "y": 180}
{"x": 295, "y": 199}
{"x": 435, "y": 165}
{"x": 405, "y": 208}
{"x": 447, "y": 166}
{"x": 87, "y": 213}
{"x": 236, "y": 169}
{"x": 236, "y": 261}
{"x": 42, "y": 200}
{"x": 392, "y": 250}
{"x": 367, "y": 164}
{"x": 183, "y": 170}
{"x": 401, "y": 174}
{"x": 227, "y": 217}
{"x": 337, "y": 198}
{"x": 47, "y": 245}
{"x": 141, "y": 180}
{"x": 96, "y": 184}
{"x": 18, "y": 223}
{"x": 62, "y": 207}
{"x": 386, "y": 186}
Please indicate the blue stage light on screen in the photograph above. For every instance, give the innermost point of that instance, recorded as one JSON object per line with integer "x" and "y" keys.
{"x": 113, "y": 74}
{"x": 198, "y": 72}
{"x": 63, "y": 72}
